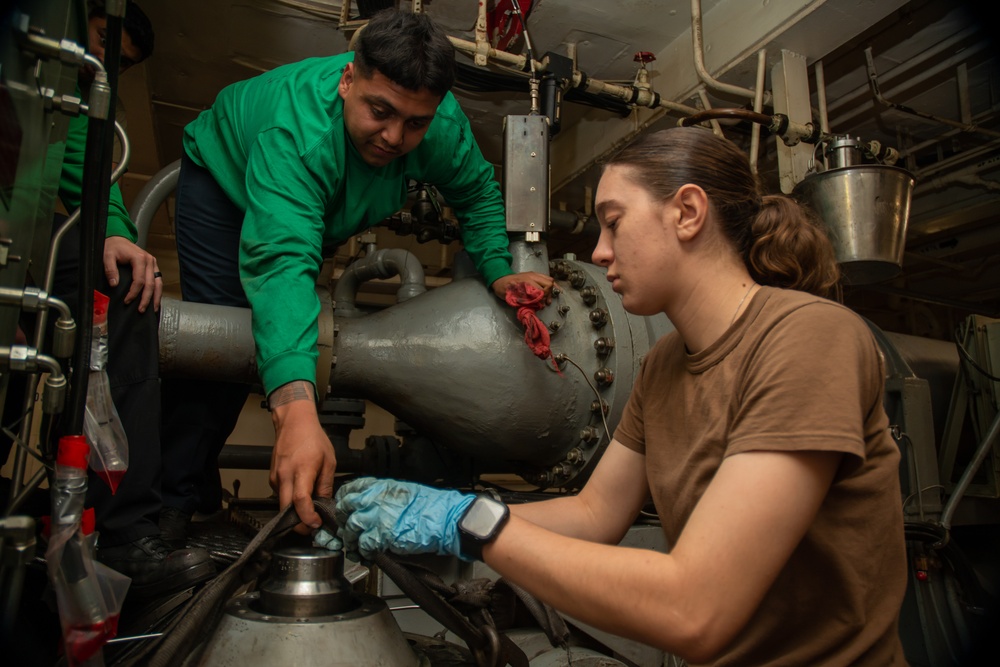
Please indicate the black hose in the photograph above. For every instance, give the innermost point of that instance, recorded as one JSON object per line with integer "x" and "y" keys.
{"x": 548, "y": 619}
{"x": 95, "y": 194}
{"x": 446, "y": 614}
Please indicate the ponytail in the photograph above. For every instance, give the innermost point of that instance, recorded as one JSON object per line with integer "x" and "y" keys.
{"x": 789, "y": 249}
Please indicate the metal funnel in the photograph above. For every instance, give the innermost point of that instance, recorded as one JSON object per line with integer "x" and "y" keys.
{"x": 865, "y": 209}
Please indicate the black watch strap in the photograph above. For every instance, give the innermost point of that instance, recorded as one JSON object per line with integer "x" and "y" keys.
{"x": 480, "y": 524}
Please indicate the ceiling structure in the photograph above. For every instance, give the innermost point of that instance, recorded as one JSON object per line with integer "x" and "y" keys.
{"x": 935, "y": 57}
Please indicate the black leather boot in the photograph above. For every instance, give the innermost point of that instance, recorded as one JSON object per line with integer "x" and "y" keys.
{"x": 173, "y": 527}
{"x": 155, "y": 568}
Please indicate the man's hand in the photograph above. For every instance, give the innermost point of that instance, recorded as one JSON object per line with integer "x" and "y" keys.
{"x": 303, "y": 461}
{"x": 539, "y": 280}
{"x": 145, "y": 271}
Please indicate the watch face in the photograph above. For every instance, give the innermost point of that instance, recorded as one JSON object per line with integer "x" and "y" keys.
{"x": 482, "y": 517}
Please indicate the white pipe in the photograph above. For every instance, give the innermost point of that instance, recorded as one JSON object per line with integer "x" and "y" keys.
{"x": 824, "y": 121}
{"x": 716, "y": 128}
{"x": 758, "y": 106}
{"x": 644, "y": 98}
{"x": 699, "y": 57}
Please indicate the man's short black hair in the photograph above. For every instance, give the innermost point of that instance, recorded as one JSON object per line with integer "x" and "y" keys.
{"x": 136, "y": 24}
{"x": 408, "y": 49}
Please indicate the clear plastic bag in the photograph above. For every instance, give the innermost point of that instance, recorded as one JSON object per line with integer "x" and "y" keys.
{"x": 89, "y": 595}
{"x": 103, "y": 427}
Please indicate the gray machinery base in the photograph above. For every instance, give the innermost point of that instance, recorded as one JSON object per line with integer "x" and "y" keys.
{"x": 366, "y": 635}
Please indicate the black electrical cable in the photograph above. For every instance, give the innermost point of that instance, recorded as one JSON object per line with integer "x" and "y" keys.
{"x": 972, "y": 362}
{"x": 600, "y": 401}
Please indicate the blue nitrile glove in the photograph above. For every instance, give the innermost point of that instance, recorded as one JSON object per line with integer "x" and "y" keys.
{"x": 377, "y": 515}
{"x": 327, "y": 540}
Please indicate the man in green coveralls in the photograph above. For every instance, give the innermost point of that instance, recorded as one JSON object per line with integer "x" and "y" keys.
{"x": 307, "y": 154}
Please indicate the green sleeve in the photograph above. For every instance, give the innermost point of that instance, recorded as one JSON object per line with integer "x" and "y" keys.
{"x": 471, "y": 190}
{"x": 71, "y": 182}
{"x": 280, "y": 256}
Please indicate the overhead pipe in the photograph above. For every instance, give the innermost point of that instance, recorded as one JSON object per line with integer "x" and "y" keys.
{"x": 877, "y": 94}
{"x": 824, "y": 120}
{"x": 705, "y": 102}
{"x": 758, "y": 106}
{"x": 779, "y": 124}
{"x": 627, "y": 94}
{"x": 697, "y": 43}
{"x": 923, "y": 76}
{"x": 987, "y": 149}
{"x": 960, "y": 39}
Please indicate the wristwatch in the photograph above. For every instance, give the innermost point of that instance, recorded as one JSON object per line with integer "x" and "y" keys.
{"x": 480, "y": 524}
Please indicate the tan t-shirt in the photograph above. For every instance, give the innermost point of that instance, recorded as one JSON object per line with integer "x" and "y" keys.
{"x": 794, "y": 373}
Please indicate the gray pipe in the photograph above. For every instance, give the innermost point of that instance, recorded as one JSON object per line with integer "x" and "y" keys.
{"x": 200, "y": 340}
{"x": 963, "y": 484}
{"x": 151, "y": 197}
{"x": 384, "y": 263}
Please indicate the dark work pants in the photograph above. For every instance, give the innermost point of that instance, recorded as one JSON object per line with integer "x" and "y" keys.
{"x": 198, "y": 416}
{"x": 133, "y": 358}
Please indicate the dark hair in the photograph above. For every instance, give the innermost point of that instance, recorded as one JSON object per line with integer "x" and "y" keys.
{"x": 136, "y": 24}
{"x": 779, "y": 240}
{"x": 407, "y": 48}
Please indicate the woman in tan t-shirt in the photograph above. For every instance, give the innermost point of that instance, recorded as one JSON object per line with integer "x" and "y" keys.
{"x": 757, "y": 427}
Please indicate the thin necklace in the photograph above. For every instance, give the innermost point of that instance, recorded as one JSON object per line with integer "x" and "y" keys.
{"x": 740, "y": 304}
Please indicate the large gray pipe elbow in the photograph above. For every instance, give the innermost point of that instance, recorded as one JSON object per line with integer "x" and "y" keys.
{"x": 151, "y": 197}
{"x": 384, "y": 263}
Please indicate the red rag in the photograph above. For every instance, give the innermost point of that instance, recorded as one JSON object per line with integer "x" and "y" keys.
{"x": 527, "y": 299}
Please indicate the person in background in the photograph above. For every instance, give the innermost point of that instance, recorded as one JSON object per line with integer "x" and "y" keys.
{"x": 127, "y": 521}
{"x": 311, "y": 153}
{"x": 757, "y": 427}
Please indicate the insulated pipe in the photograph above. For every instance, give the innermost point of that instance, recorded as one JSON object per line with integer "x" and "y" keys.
{"x": 200, "y": 340}
{"x": 151, "y": 197}
{"x": 385, "y": 263}
{"x": 697, "y": 43}
{"x": 627, "y": 94}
